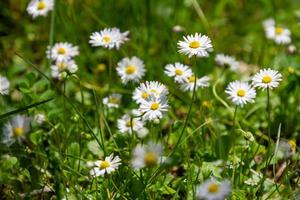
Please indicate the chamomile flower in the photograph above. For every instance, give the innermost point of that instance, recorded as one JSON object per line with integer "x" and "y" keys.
{"x": 240, "y": 93}
{"x": 62, "y": 52}
{"x": 15, "y": 130}
{"x": 40, "y": 7}
{"x": 106, "y": 166}
{"x": 112, "y": 101}
{"x": 225, "y": 60}
{"x": 4, "y": 85}
{"x": 131, "y": 69}
{"x": 69, "y": 66}
{"x": 154, "y": 108}
{"x": 127, "y": 124}
{"x": 39, "y": 118}
{"x": 286, "y": 148}
{"x": 213, "y": 190}
{"x": 266, "y": 78}
{"x": 179, "y": 71}
{"x": 189, "y": 83}
{"x": 146, "y": 155}
{"x": 277, "y": 33}
{"x": 145, "y": 90}
{"x": 109, "y": 38}
{"x": 195, "y": 45}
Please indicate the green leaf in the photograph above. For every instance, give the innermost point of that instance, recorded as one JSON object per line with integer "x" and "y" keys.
{"x": 93, "y": 146}
{"x": 9, "y": 163}
{"x": 222, "y": 146}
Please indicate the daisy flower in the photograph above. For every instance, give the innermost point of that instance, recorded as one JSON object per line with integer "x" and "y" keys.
{"x": 131, "y": 69}
{"x": 240, "y": 93}
{"x": 213, "y": 190}
{"x": 109, "y": 38}
{"x": 189, "y": 83}
{"x": 154, "y": 108}
{"x": 266, "y": 78}
{"x": 179, "y": 71}
{"x": 39, "y": 118}
{"x": 198, "y": 45}
{"x": 225, "y": 60}
{"x": 62, "y": 52}
{"x": 40, "y": 7}
{"x": 15, "y": 130}
{"x": 279, "y": 34}
{"x": 146, "y": 155}
{"x": 126, "y": 122}
{"x": 145, "y": 90}
{"x": 4, "y": 85}
{"x": 106, "y": 166}
{"x": 112, "y": 101}
{"x": 286, "y": 148}
{"x": 69, "y": 66}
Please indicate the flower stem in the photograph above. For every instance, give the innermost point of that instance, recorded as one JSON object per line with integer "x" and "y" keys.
{"x": 232, "y": 132}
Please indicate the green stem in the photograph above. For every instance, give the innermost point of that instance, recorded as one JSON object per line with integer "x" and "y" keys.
{"x": 232, "y": 132}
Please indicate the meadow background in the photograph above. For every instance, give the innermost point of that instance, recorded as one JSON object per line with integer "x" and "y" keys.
{"x": 55, "y": 153}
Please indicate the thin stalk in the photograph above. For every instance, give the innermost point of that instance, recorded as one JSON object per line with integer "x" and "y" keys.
{"x": 269, "y": 115}
{"x": 232, "y": 132}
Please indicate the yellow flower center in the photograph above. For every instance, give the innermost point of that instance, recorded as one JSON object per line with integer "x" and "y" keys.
{"x": 278, "y": 30}
{"x": 241, "y": 92}
{"x": 61, "y": 66}
{"x": 130, "y": 69}
{"x": 293, "y": 145}
{"x": 101, "y": 67}
{"x": 145, "y": 95}
{"x": 178, "y": 72}
{"x": 213, "y": 188}
{"x": 154, "y": 106}
{"x": 41, "y": 5}
{"x": 266, "y": 79}
{"x": 129, "y": 123}
{"x": 61, "y": 50}
{"x": 192, "y": 79}
{"x": 106, "y": 39}
{"x": 150, "y": 159}
{"x": 18, "y": 131}
{"x": 104, "y": 164}
{"x": 113, "y": 100}
{"x": 194, "y": 44}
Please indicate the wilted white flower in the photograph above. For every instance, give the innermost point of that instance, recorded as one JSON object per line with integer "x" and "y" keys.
{"x": 40, "y": 7}
{"x": 286, "y": 148}
{"x": 189, "y": 83}
{"x": 4, "y": 85}
{"x": 145, "y": 90}
{"x": 195, "y": 45}
{"x": 154, "y": 108}
{"x": 59, "y": 67}
{"x": 225, "y": 60}
{"x": 40, "y": 118}
{"x": 146, "y": 155}
{"x": 15, "y": 129}
{"x": 179, "y": 71}
{"x": 240, "y": 93}
{"x": 102, "y": 167}
{"x": 213, "y": 190}
{"x": 266, "y": 78}
{"x": 131, "y": 69}
{"x": 109, "y": 38}
{"x": 112, "y": 101}
{"x": 62, "y": 52}
{"x": 127, "y": 124}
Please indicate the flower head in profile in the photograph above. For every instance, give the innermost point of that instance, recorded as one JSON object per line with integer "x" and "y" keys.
{"x": 225, "y": 60}
{"x": 286, "y": 148}
{"x": 127, "y": 124}
{"x": 131, "y": 69}
{"x": 39, "y": 118}
{"x": 15, "y": 130}
{"x": 113, "y": 100}
{"x": 4, "y": 85}
{"x": 69, "y": 66}
{"x": 109, "y": 38}
{"x": 154, "y": 108}
{"x": 40, "y": 7}
{"x": 213, "y": 190}
{"x": 145, "y": 90}
{"x": 266, "y": 78}
{"x": 189, "y": 83}
{"x": 146, "y": 155}
{"x": 106, "y": 166}
{"x": 240, "y": 93}
{"x": 195, "y": 45}
{"x": 62, "y": 52}
{"x": 278, "y": 34}
{"x": 179, "y": 71}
